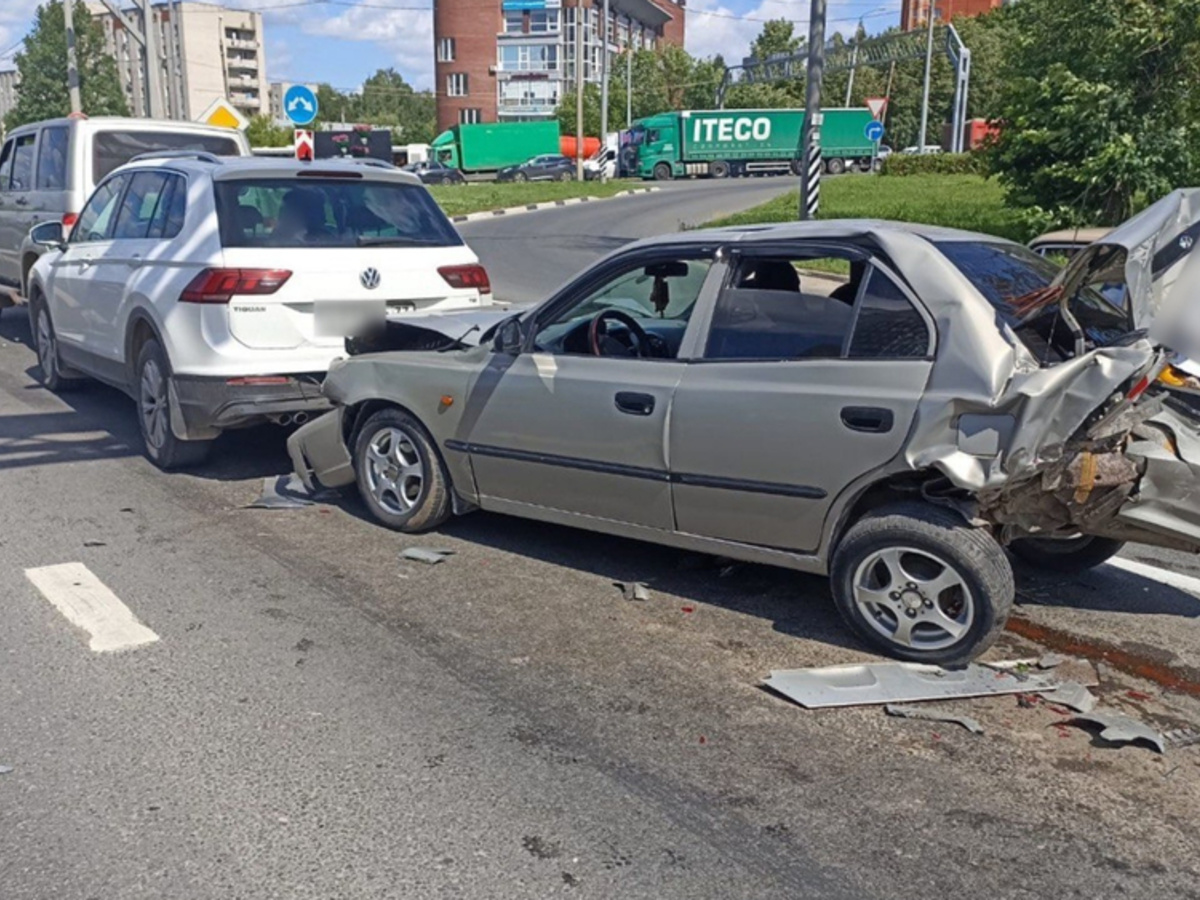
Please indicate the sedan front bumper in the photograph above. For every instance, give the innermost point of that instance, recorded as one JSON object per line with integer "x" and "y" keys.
{"x": 319, "y": 454}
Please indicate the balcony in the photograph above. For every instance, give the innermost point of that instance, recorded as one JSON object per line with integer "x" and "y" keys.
{"x": 241, "y": 44}
{"x": 244, "y": 81}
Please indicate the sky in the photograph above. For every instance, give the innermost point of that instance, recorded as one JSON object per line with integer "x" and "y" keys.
{"x": 342, "y": 42}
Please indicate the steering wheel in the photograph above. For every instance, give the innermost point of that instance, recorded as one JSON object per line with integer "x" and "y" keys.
{"x": 599, "y": 338}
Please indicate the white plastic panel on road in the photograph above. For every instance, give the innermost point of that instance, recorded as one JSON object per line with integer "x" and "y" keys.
{"x": 87, "y": 603}
{"x": 1188, "y": 583}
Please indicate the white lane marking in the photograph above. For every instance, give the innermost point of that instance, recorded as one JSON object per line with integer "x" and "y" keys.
{"x": 1188, "y": 583}
{"x": 87, "y": 603}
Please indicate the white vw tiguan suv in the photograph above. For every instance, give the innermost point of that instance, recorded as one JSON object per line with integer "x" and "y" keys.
{"x": 216, "y": 291}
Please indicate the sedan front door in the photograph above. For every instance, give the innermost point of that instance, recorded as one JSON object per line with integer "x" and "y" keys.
{"x": 561, "y": 427}
{"x": 806, "y": 386}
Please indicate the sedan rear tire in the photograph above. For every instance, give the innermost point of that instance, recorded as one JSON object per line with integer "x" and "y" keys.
{"x": 918, "y": 583}
{"x": 400, "y": 475}
{"x": 1066, "y": 557}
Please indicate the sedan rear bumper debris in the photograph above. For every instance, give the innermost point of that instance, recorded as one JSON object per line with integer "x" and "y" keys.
{"x": 319, "y": 453}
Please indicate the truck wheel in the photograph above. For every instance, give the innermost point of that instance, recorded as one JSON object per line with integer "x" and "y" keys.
{"x": 662, "y": 172}
{"x": 917, "y": 582}
{"x": 835, "y": 166}
{"x": 718, "y": 169}
{"x": 797, "y": 167}
{"x": 1070, "y": 556}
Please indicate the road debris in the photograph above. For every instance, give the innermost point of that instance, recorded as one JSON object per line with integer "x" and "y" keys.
{"x": 1119, "y": 729}
{"x": 932, "y": 715}
{"x": 1072, "y": 695}
{"x": 633, "y": 590}
{"x": 286, "y": 492}
{"x": 429, "y": 556}
{"x": 1064, "y": 669}
{"x": 1181, "y": 737}
{"x": 94, "y": 544}
{"x": 898, "y": 682}
{"x": 6, "y": 770}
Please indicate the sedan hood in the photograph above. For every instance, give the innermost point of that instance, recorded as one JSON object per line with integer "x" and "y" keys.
{"x": 1152, "y": 254}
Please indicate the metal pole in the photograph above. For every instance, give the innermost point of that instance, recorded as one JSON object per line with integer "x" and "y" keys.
{"x": 932, "y": 15}
{"x": 604, "y": 84}
{"x": 810, "y": 188}
{"x": 72, "y": 65}
{"x": 853, "y": 65}
{"x": 153, "y": 68}
{"x": 629, "y": 79}
{"x": 579, "y": 90}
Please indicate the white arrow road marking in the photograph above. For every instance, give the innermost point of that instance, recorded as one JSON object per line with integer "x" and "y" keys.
{"x": 88, "y": 604}
{"x": 1188, "y": 583}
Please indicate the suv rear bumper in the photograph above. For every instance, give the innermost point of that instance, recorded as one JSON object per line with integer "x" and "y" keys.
{"x": 207, "y": 406}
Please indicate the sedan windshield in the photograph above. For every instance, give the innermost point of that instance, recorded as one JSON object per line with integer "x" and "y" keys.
{"x": 1008, "y": 274}
{"x": 332, "y": 212}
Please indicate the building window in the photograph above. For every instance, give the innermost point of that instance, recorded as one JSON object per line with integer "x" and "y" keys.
{"x": 456, "y": 84}
{"x": 446, "y": 50}
{"x": 468, "y": 117}
{"x": 529, "y": 58}
{"x": 514, "y": 22}
{"x": 543, "y": 21}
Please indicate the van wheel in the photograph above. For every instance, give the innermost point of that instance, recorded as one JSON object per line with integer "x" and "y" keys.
{"x": 1070, "y": 556}
{"x": 163, "y": 448}
{"x": 718, "y": 169}
{"x": 46, "y": 343}
{"x": 400, "y": 475}
{"x": 662, "y": 172}
{"x": 835, "y": 166}
{"x": 919, "y": 583}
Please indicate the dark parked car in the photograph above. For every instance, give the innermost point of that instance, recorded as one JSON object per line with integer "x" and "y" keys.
{"x": 433, "y": 172}
{"x": 550, "y": 167}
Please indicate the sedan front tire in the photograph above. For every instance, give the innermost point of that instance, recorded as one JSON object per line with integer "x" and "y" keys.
{"x": 400, "y": 474}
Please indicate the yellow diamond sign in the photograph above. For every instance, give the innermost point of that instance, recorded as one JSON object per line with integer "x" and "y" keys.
{"x": 223, "y": 114}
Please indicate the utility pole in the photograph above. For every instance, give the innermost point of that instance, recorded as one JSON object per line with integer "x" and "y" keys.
{"x": 153, "y": 68}
{"x": 629, "y": 80}
{"x": 72, "y": 64}
{"x": 931, "y": 15}
{"x": 604, "y": 83}
{"x": 810, "y": 188}
{"x": 853, "y": 66}
{"x": 579, "y": 90}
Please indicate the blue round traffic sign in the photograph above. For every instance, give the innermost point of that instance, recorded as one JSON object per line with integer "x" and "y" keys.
{"x": 300, "y": 104}
{"x": 874, "y": 131}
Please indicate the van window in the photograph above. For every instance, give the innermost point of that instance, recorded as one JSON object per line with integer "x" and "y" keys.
{"x": 97, "y": 217}
{"x": 52, "y": 159}
{"x": 6, "y": 158}
{"x": 22, "y": 167}
{"x": 115, "y": 148}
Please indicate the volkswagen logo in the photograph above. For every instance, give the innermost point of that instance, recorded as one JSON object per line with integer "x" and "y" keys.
{"x": 1186, "y": 242}
{"x": 369, "y": 278}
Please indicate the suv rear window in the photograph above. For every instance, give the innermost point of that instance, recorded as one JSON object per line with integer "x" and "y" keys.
{"x": 115, "y": 148}
{"x": 329, "y": 212}
{"x": 1004, "y": 273}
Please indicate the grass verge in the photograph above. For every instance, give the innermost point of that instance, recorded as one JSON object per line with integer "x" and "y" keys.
{"x": 953, "y": 201}
{"x": 460, "y": 199}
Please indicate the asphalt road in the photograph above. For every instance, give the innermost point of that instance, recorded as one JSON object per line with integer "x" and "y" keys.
{"x": 320, "y": 719}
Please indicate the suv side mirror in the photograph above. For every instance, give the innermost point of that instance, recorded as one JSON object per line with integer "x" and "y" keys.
{"x": 49, "y": 234}
{"x": 509, "y": 337}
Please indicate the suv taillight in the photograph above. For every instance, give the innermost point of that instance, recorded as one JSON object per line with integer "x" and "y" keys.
{"x": 467, "y": 277}
{"x": 220, "y": 285}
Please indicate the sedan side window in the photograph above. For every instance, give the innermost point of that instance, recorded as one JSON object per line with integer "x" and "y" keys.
{"x": 98, "y": 213}
{"x": 888, "y": 326}
{"x": 783, "y": 308}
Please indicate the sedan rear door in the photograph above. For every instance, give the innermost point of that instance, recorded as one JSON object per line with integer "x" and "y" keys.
{"x": 808, "y": 383}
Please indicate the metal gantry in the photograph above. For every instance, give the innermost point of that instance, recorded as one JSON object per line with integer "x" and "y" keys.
{"x": 880, "y": 51}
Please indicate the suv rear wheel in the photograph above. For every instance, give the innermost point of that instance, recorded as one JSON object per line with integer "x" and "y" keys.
{"x": 46, "y": 342}
{"x": 163, "y": 448}
{"x": 918, "y": 583}
{"x": 400, "y": 475}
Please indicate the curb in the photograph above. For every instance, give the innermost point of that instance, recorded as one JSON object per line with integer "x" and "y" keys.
{"x": 549, "y": 204}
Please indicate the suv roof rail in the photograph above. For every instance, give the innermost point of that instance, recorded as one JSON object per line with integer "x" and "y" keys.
{"x": 376, "y": 163}
{"x": 201, "y": 155}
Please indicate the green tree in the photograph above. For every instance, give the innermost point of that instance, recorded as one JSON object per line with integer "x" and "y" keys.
{"x": 385, "y": 100}
{"x": 42, "y": 69}
{"x": 1099, "y": 108}
{"x": 777, "y": 37}
{"x": 263, "y": 132}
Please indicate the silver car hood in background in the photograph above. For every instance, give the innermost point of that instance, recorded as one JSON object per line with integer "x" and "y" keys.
{"x": 1160, "y": 269}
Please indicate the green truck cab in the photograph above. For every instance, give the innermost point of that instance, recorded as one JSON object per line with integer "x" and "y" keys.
{"x": 495, "y": 145}
{"x": 731, "y": 142}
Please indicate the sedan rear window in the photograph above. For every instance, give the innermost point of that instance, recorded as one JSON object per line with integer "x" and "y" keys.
{"x": 1004, "y": 273}
{"x": 332, "y": 212}
{"x": 115, "y": 148}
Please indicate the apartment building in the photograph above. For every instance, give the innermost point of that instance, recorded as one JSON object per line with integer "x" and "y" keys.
{"x": 512, "y": 60}
{"x": 915, "y": 13}
{"x": 8, "y": 93}
{"x": 203, "y": 52}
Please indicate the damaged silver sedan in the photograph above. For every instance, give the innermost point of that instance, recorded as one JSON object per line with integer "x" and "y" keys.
{"x": 891, "y": 405}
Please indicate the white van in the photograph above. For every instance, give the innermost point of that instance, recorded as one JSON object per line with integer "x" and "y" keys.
{"x": 48, "y": 170}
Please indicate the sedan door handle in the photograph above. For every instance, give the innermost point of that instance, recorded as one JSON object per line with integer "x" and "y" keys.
{"x": 870, "y": 419}
{"x": 635, "y": 404}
